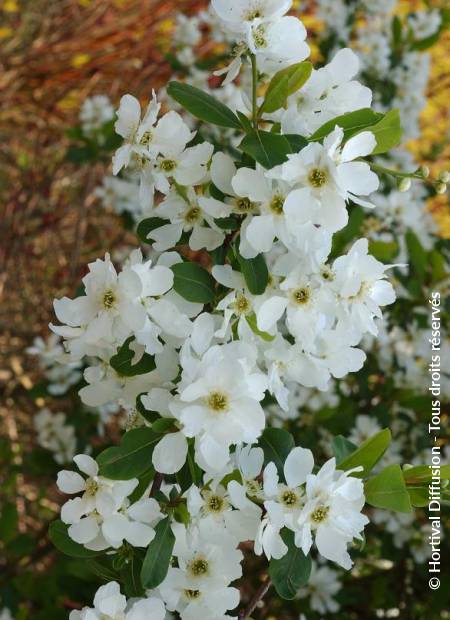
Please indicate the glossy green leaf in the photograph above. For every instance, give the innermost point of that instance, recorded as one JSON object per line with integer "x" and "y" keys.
{"x": 132, "y": 458}
{"x": 276, "y": 444}
{"x": 352, "y": 123}
{"x": 388, "y": 490}
{"x": 158, "y": 556}
{"x": 145, "y": 227}
{"x": 283, "y": 84}
{"x": 388, "y": 132}
{"x": 342, "y": 448}
{"x": 268, "y": 149}
{"x": 122, "y": 361}
{"x": 255, "y": 273}
{"x": 193, "y": 283}
{"x": 292, "y": 571}
{"x": 368, "y": 455}
{"x": 203, "y": 106}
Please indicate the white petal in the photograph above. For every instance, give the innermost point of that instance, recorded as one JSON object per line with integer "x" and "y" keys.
{"x": 222, "y": 172}
{"x": 84, "y": 531}
{"x": 86, "y": 464}
{"x": 357, "y": 177}
{"x": 359, "y": 146}
{"x": 299, "y": 464}
{"x": 270, "y": 312}
{"x": 70, "y": 482}
{"x": 169, "y": 456}
{"x": 128, "y": 116}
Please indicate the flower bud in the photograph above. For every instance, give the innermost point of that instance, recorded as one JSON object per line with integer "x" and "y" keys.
{"x": 424, "y": 172}
{"x": 444, "y": 176}
{"x": 404, "y": 185}
{"x": 441, "y": 188}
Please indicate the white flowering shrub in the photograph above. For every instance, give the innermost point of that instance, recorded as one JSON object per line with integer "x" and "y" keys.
{"x": 267, "y": 340}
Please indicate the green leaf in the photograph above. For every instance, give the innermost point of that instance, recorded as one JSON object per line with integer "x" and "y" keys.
{"x": 158, "y": 556}
{"x": 255, "y": 273}
{"x": 252, "y": 321}
{"x": 384, "y": 251}
{"x": 203, "y": 106}
{"x": 57, "y": 533}
{"x": 145, "y": 227}
{"x": 132, "y": 458}
{"x": 419, "y": 496}
{"x": 417, "y": 255}
{"x": 296, "y": 142}
{"x": 122, "y": 361}
{"x": 422, "y": 474}
{"x": 292, "y": 571}
{"x": 276, "y": 444}
{"x": 352, "y": 123}
{"x": 388, "y": 490}
{"x": 368, "y": 455}
{"x": 268, "y": 149}
{"x": 193, "y": 283}
{"x": 342, "y": 448}
{"x": 388, "y": 132}
{"x": 131, "y": 577}
{"x": 283, "y": 84}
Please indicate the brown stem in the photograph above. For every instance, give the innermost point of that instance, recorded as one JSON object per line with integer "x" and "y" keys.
{"x": 157, "y": 482}
{"x": 259, "y": 595}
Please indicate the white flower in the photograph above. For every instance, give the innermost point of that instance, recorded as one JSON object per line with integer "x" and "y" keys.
{"x": 220, "y": 406}
{"x": 56, "y": 435}
{"x": 322, "y": 586}
{"x": 260, "y": 230}
{"x": 103, "y": 517}
{"x": 332, "y": 513}
{"x": 216, "y": 507}
{"x": 360, "y": 282}
{"x": 327, "y": 177}
{"x": 110, "y": 604}
{"x": 365, "y": 427}
{"x": 145, "y": 139}
{"x": 329, "y": 92}
{"x": 192, "y": 214}
{"x": 284, "y": 501}
{"x": 114, "y": 306}
{"x": 262, "y": 27}
{"x": 199, "y": 587}
{"x": 95, "y": 112}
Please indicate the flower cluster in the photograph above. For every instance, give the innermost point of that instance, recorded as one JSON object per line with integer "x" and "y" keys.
{"x": 249, "y": 302}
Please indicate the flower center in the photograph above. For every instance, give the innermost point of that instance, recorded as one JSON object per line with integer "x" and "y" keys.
{"x": 244, "y": 205}
{"x": 91, "y": 487}
{"x": 277, "y": 205}
{"x": 217, "y": 401}
{"x": 192, "y": 215}
{"x": 259, "y": 36}
{"x": 199, "y": 567}
{"x": 253, "y": 14}
{"x": 320, "y": 514}
{"x": 168, "y": 165}
{"x": 192, "y": 595}
{"x": 109, "y": 299}
{"x": 242, "y": 305}
{"x": 146, "y": 138}
{"x": 301, "y": 296}
{"x": 290, "y": 498}
{"x": 318, "y": 177}
{"x": 253, "y": 488}
{"x": 215, "y": 503}
{"x": 327, "y": 274}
